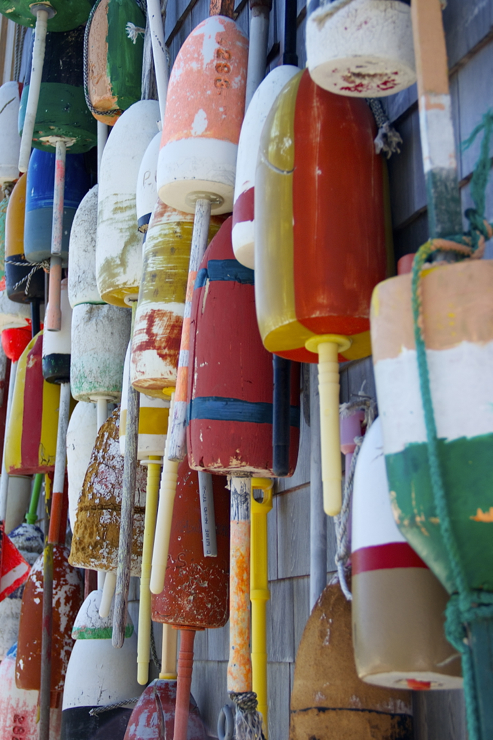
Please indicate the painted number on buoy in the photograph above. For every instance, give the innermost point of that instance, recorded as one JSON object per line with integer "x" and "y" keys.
{"x": 18, "y": 730}
{"x": 223, "y": 68}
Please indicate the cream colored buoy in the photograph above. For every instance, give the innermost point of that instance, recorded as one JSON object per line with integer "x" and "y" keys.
{"x": 9, "y": 136}
{"x": 364, "y": 49}
{"x": 146, "y": 191}
{"x": 119, "y": 243}
{"x": 81, "y": 436}
{"x": 82, "y": 286}
{"x": 248, "y": 148}
{"x": 398, "y": 607}
{"x": 204, "y": 112}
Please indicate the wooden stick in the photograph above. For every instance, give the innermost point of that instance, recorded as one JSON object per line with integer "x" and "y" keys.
{"x": 184, "y": 683}
{"x": 53, "y": 312}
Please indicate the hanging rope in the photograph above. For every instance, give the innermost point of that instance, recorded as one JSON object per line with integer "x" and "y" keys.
{"x": 125, "y": 703}
{"x": 248, "y": 721}
{"x": 44, "y": 265}
{"x": 341, "y": 522}
{"x": 387, "y": 140}
{"x": 467, "y": 605}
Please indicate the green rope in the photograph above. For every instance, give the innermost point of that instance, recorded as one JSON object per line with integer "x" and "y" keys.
{"x": 468, "y": 605}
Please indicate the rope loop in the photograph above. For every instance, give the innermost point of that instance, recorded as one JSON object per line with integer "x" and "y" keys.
{"x": 248, "y": 721}
{"x": 44, "y": 265}
{"x": 467, "y": 605}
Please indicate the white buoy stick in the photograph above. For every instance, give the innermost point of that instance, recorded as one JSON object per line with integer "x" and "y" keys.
{"x": 257, "y": 50}
{"x": 207, "y": 515}
{"x": 43, "y": 13}
{"x": 53, "y": 319}
{"x": 101, "y": 411}
{"x": 108, "y": 593}
{"x": 158, "y": 52}
{"x": 102, "y": 139}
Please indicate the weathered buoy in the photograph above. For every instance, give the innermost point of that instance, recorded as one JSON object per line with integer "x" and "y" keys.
{"x": 114, "y": 42}
{"x": 82, "y": 286}
{"x": 81, "y": 437}
{"x": 398, "y": 607}
{"x": 13, "y": 315}
{"x": 231, "y": 377}
{"x": 57, "y": 344}
{"x": 363, "y": 49}
{"x": 153, "y": 420}
{"x": 32, "y": 434}
{"x": 39, "y": 202}
{"x": 19, "y": 708}
{"x": 312, "y": 296}
{"x": 248, "y": 148}
{"x": 9, "y": 111}
{"x": 97, "y": 527}
{"x": 201, "y": 129}
{"x": 62, "y": 110}
{"x": 457, "y": 308}
{"x": 29, "y": 540}
{"x": 326, "y": 690}
{"x": 97, "y": 676}
{"x": 119, "y": 243}
{"x": 146, "y": 190}
{"x": 23, "y": 283}
{"x": 67, "y": 600}
{"x": 69, "y": 13}
{"x": 159, "y": 318}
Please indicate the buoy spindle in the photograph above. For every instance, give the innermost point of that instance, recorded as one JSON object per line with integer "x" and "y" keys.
{"x": 158, "y": 52}
{"x": 257, "y": 51}
{"x": 207, "y": 516}
{"x": 184, "y": 684}
{"x": 53, "y": 312}
{"x": 43, "y": 12}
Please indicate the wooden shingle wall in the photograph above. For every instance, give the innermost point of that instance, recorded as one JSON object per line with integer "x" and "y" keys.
{"x": 469, "y": 31}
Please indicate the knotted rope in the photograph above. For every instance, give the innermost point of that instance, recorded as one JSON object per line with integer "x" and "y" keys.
{"x": 467, "y": 605}
{"x": 108, "y": 707}
{"x": 341, "y": 522}
{"x": 44, "y": 265}
{"x": 248, "y": 721}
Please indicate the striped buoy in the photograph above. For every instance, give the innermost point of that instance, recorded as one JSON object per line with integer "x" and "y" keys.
{"x": 153, "y": 420}
{"x": 248, "y": 148}
{"x": 19, "y": 708}
{"x": 113, "y": 57}
{"x": 39, "y": 202}
{"x": 457, "y": 305}
{"x": 201, "y": 128}
{"x": 362, "y": 49}
{"x": 23, "y": 282}
{"x": 231, "y": 379}
{"x": 398, "y": 607}
{"x": 97, "y": 676}
{"x": 32, "y": 430}
{"x": 159, "y": 317}
{"x": 9, "y": 112}
{"x": 57, "y": 344}
{"x": 119, "y": 243}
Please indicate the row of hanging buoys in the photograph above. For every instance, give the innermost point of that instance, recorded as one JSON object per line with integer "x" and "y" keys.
{"x": 114, "y": 58}
{"x": 62, "y": 109}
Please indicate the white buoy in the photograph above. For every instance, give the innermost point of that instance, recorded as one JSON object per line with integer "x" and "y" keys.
{"x": 13, "y": 315}
{"x": 362, "y": 49}
{"x": 18, "y": 499}
{"x": 146, "y": 190}
{"x": 253, "y": 123}
{"x": 82, "y": 285}
{"x": 81, "y": 436}
{"x": 9, "y": 135}
{"x": 119, "y": 243}
{"x": 57, "y": 344}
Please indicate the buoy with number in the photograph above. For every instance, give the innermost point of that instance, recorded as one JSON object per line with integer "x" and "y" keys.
{"x": 146, "y": 190}
{"x": 113, "y": 55}
{"x": 19, "y": 707}
{"x": 98, "y": 676}
{"x": 39, "y": 203}
{"x": 119, "y": 243}
{"x": 398, "y": 607}
{"x": 313, "y": 296}
{"x": 362, "y": 48}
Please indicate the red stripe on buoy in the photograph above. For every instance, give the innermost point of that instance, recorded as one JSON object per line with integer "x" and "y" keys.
{"x": 383, "y": 557}
{"x": 243, "y": 209}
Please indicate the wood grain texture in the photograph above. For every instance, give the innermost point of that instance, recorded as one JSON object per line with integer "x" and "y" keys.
{"x": 280, "y": 622}
{"x": 439, "y": 715}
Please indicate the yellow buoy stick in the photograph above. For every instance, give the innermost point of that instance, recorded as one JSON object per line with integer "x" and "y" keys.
{"x": 167, "y": 494}
{"x": 328, "y": 347}
{"x": 169, "y": 652}
{"x": 259, "y": 591}
{"x": 144, "y": 636}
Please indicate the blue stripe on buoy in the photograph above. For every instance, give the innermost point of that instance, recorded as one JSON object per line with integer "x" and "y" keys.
{"x": 216, "y": 408}
{"x": 224, "y": 271}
